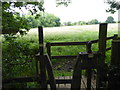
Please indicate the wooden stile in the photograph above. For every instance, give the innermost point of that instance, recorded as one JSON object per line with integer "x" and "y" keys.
{"x": 77, "y": 75}
{"x": 49, "y": 49}
{"x": 102, "y": 50}
{"x": 115, "y": 58}
{"x": 89, "y": 70}
{"x": 50, "y": 72}
{"x": 114, "y": 72}
{"x": 41, "y": 59}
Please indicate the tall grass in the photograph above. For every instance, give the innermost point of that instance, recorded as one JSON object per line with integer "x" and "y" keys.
{"x": 68, "y": 34}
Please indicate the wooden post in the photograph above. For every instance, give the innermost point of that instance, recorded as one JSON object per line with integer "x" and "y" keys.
{"x": 115, "y": 58}
{"x": 37, "y": 65}
{"x": 102, "y": 50}
{"x": 115, "y": 37}
{"x": 114, "y": 72}
{"x": 41, "y": 58}
{"x": 50, "y": 72}
{"x": 77, "y": 75}
{"x": 49, "y": 49}
{"x": 89, "y": 70}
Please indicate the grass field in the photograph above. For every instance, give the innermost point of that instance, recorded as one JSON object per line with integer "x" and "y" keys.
{"x": 68, "y": 34}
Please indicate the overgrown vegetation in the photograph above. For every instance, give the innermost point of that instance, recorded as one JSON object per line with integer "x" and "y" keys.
{"x": 12, "y": 22}
{"x": 19, "y": 53}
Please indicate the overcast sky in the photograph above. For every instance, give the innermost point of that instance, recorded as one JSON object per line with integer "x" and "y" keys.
{"x": 80, "y": 10}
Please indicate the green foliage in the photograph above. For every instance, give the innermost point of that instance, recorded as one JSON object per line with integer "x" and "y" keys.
{"x": 74, "y": 23}
{"x": 110, "y": 19}
{"x": 81, "y": 23}
{"x": 18, "y": 57}
{"x": 51, "y": 20}
{"x": 114, "y": 5}
{"x": 11, "y": 20}
{"x": 68, "y": 23}
{"x": 93, "y": 21}
{"x": 63, "y": 2}
{"x": 43, "y": 19}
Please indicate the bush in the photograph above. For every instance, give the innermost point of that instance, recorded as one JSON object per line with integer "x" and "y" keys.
{"x": 18, "y": 58}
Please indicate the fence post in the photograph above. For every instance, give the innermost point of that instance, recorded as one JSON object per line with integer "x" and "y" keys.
{"x": 101, "y": 70}
{"x": 49, "y": 49}
{"x": 41, "y": 59}
{"x": 115, "y": 58}
{"x": 50, "y": 72}
{"x": 114, "y": 72}
{"x": 77, "y": 74}
{"x": 89, "y": 70}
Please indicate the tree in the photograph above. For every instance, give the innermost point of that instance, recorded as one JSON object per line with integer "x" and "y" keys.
{"x": 110, "y": 19}
{"x": 11, "y": 20}
{"x": 45, "y": 20}
{"x": 94, "y": 21}
{"x": 82, "y": 23}
{"x": 68, "y": 23}
{"x": 113, "y": 5}
{"x": 51, "y": 20}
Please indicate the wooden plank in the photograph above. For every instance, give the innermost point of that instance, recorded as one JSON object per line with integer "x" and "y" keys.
{"x": 37, "y": 65}
{"x": 115, "y": 37}
{"x": 48, "y": 45}
{"x": 72, "y": 56}
{"x": 64, "y": 57}
{"x": 75, "y": 43}
{"x": 21, "y": 80}
{"x": 67, "y": 43}
{"x": 77, "y": 75}
{"x": 107, "y": 49}
{"x": 114, "y": 72}
{"x": 101, "y": 73}
{"x": 50, "y": 73}
{"x": 41, "y": 59}
{"x": 115, "y": 57}
{"x": 89, "y": 71}
{"x": 63, "y": 81}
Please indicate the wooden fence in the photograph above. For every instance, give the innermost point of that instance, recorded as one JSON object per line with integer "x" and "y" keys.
{"x": 85, "y": 60}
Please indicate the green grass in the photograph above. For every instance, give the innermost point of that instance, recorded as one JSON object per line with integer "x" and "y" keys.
{"x": 68, "y": 34}
{"x": 71, "y": 34}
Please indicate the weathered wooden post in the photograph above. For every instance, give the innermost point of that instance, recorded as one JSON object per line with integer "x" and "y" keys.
{"x": 89, "y": 70}
{"x": 50, "y": 72}
{"x": 115, "y": 58}
{"x": 41, "y": 59}
{"x": 101, "y": 70}
{"x": 49, "y": 49}
{"x": 77, "y": 74}
{"x": 114, "y": 73}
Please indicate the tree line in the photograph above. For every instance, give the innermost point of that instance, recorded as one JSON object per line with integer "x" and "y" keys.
{"x": 44, "y": 19}
{"x": 50, "y": 20}
{"x": 109, "y": 19}
{"x": 12, "y": 22}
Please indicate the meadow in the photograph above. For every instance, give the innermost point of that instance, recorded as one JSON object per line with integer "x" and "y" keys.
{"x": 28, "y": 46}
{"x": 70, "y": 34}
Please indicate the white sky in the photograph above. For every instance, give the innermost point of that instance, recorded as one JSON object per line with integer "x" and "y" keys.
{"x": 80, "y": 10}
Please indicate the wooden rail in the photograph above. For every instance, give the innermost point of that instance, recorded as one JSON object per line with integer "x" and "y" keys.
{"x": 74, "y": 43}
{"x": 49, "y": 44}
{"x": 43, "y": 63}
{"x": 33, "y": 79}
